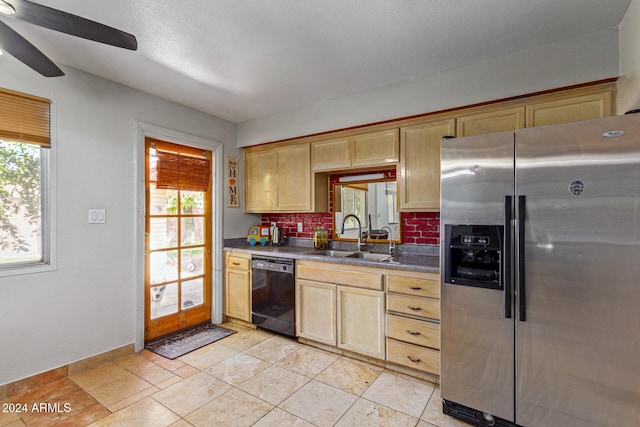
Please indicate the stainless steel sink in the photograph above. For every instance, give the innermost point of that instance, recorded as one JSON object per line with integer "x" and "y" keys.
{"x": 329, "y": 252}
{"x": 370, "y": 256}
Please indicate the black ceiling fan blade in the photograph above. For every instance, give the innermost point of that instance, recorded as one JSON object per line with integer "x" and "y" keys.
{"x": 16, "y": 45}
{"x": 74, "y": 25}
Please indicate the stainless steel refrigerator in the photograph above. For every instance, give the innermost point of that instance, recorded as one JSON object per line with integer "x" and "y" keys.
{"x": 540, "y": 265}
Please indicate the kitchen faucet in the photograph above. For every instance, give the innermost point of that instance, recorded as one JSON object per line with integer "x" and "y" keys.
{"x": 360, "y": 244}
{"x": 390, "y": 237}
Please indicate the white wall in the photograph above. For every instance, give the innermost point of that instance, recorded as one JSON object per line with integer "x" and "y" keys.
{"x": 576, "y": 60}
{"x": 88, "y": 305}
{"x": 629, "y": 83}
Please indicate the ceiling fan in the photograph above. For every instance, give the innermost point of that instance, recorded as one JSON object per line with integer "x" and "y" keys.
{"x": 57, "y": 20}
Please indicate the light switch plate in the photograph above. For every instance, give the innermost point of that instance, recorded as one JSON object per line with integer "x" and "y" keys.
{"x": 97, "y": 216}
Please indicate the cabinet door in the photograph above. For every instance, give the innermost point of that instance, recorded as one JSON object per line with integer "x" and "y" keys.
{"x": 260, "y": 180}
{"x": 316, "y": 311}
{"x": 570, "y": 109}
{"x": 494, "y": 121}
{"x": 294, "y": 178}
{"x": 361, "y": 321}
{"x": 419, "y": 180}
{"x": 331, "y": 154}
{"x": 238, "y": 294}
{"x": 375, "y": 148}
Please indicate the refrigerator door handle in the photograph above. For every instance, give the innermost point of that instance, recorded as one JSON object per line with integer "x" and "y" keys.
{"x": 522, "y": 302}
{"x": 506, "y": 264}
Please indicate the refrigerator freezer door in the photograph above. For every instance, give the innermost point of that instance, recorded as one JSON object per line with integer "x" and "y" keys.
{"x": 477, "y": 341}
{"x": 578, "y": 351}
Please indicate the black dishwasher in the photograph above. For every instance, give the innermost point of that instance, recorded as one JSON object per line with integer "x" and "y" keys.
{"x": 273, "y": 296}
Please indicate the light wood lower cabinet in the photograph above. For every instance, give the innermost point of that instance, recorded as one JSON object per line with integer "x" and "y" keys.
{"x": 316, "y": 311}
{"x": 346, "y": 306}
{"x": 237, "y": 286}
{"x": 342, "y": 306}
{"x": 361, "y": 321}
{"x": 413, "y": 320}
{"x": 413, "y": 356}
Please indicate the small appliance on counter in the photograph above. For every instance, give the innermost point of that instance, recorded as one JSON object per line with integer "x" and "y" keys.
{"x": 258, "y": 234}
{"x": 277, "y": 236}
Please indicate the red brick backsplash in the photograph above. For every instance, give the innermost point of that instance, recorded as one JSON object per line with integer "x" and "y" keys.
{"x": 289, "y": 222}
{"x": 422, "y": 228}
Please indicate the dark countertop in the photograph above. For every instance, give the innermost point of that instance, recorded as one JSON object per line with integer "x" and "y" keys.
{"x": 426, "y": 263}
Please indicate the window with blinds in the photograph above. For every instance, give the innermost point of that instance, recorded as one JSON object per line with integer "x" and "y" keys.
{"x": 180, "y": 172}
{"x": 24, "y": 175}
{"x": 24, "y": 118}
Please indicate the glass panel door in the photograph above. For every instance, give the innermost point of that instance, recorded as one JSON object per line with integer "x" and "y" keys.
{"x": 178, "y": 248}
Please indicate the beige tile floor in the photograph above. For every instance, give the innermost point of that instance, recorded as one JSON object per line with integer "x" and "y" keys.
{"x": 251, "y": 378}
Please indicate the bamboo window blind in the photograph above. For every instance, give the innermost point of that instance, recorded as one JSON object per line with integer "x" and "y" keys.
{"x": 180, "y": 172}
{"x": 24, "y": 118}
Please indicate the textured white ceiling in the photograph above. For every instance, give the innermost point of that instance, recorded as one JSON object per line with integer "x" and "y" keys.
{"x": 243, "y": 59}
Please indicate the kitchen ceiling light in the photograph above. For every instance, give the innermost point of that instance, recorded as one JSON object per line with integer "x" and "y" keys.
{"x": 6, "y": 8}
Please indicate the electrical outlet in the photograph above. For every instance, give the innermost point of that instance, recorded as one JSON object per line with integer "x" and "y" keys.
{"x": 299, "y": 227}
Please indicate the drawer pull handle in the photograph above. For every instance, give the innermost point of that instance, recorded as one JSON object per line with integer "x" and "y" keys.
{"x": 413, "y": 360}
{"x": 235, "y": 263}
{"x": 414, "y": 308}
{"x": 413, "y": 332}
{"x": 415, "y": 288}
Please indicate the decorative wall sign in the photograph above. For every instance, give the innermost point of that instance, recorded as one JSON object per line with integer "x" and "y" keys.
{"x": 232, "y": 182}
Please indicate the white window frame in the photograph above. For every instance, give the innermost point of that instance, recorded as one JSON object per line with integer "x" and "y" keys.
{"x": 48, "y": 180}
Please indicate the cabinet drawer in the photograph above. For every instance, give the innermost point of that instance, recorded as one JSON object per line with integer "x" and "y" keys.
{"x": 415, "y": 306}
{"x": 414, "y": 286}
{"x": 413, "y": 356}
{"x": 240, "y": 263}
{"x": 413, "y": 331}
{"x": 358, "y": 279}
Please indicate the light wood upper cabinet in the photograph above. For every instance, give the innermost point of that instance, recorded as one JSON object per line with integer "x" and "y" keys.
{"x": 419, "y": 177}
{"x": 278, "y": 179}
{"x": 293, "y": 165}
{"x": 260, "y": 180}
{"x": 331, "y": 154}
{"x": 362, "y": 150}
{"x": 570, "y": 109}
{"x": 375, "y": 148}
{"x": 237, "y": 286}
{"x": 490, "y": 122}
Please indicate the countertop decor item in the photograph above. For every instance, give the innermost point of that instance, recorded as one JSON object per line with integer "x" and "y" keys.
{"x": 258, "y": 234}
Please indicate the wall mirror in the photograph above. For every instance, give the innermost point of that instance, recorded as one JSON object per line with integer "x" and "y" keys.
{"x": 375, "y": 203}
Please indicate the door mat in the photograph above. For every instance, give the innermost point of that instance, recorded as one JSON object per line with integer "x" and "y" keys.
{"x": 184, "y": 342}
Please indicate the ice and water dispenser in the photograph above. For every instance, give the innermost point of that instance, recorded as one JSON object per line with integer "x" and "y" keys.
{"x": 473, "y": 255}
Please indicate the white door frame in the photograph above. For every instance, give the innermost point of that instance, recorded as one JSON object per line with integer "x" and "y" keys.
{"x": 148, "y": 130}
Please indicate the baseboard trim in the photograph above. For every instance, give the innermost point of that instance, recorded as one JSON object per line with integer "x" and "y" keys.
{"x": 29, "y": 383}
